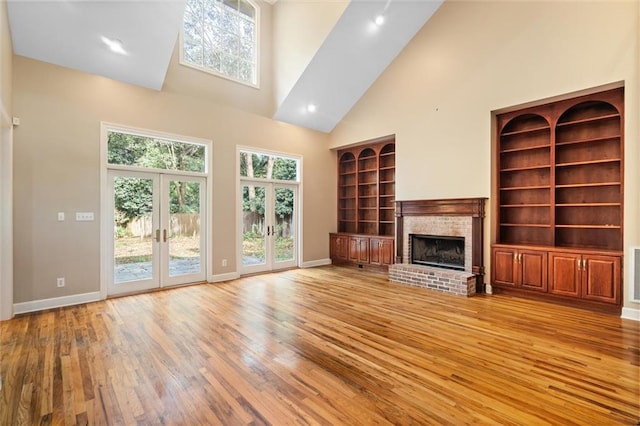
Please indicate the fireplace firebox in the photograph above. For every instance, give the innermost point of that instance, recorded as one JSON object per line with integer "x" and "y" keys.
{"x": 438, "y": 250}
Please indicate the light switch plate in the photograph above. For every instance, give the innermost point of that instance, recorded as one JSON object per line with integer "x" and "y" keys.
{"x": 84, "y": 216}
{"x": 60, "y": 216}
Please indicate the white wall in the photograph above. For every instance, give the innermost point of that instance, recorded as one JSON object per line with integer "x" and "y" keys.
{"x": 299, "y": 29}
{"x": 189, "y": 81}
{"x": 475, "y": 57}
{"x": 57, "y": 169}
{"x": 6, "y": 168}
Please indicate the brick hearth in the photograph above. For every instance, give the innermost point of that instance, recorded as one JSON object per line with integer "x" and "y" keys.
{"x": 454, "y": 218}
{"x": 460, "y": 283}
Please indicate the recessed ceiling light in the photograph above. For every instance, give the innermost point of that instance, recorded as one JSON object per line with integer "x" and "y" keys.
{"x": 114, "y": 44}
{"x": 379, "y": 20}
{"x": 311, "y": 108}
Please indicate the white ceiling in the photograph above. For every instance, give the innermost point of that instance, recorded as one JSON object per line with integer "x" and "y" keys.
{"x": 68, "y": 33}
{"x": 351, "y": 58}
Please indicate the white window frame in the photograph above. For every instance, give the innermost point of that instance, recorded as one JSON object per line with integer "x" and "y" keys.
{"x": 242, "y": 179}
{"x": 106, "y": 229}
{"x": 255, "y": 85}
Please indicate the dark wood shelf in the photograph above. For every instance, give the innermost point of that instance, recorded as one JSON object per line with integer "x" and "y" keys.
{"x": 589, "y": 205}
{"x": 560, "y": 226}
{"x": 588, "y": 140}
{"x": 589, "y": 226}
{"x": 517, "y": 169}
{"x": 583, "y": 163}
{"x": 369, "y": 170}
{"x": 520, "y": 188}
{"x": 524, "y": 131}
{"x": 587, "y": 120}
{"x": 588, "y": 185}
{"x": 524, "y": 205}
{"x": 527, "y": 225}
{"x": 529, "y": 148}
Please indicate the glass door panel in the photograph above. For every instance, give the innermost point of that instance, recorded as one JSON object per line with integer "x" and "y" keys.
{"x": 254, "y": 228}
{"x": 284, "y": 228}
{"x": 269, "y": 227}
{"x": 134, "y": 199}
{"x": 159, "y": 231}
{"x": 182, "y": 231}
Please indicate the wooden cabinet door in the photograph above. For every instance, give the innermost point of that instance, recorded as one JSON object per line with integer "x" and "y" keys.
{"x": 504, "y": 268}
{"x": 387, "y": 252}
{"x": 359, "y": 249}
{"x": 375, "y": 250}
{"x": 564, "y": 276}
{"x": 532, "y": 267}
{"x": 601, "y": 278}
{"x": 339, "y": 247}
{"x": 381, "y": 251}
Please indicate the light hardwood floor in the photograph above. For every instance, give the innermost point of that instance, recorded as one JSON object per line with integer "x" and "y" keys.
{"x": 329, "y": 346}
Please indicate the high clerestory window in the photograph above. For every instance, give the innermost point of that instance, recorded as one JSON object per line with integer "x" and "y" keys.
{"x": 220, "y": 36}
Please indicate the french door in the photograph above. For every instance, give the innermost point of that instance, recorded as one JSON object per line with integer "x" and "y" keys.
{"x": 269, "y": 226}
{"x": 159, "y": 230}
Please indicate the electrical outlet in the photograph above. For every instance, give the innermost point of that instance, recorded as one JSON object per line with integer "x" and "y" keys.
{"x": 84, "y": 216}
{"x": 224, "y": 262}
{"x": 60, "y": 216}
{"x": 60, "y": 282}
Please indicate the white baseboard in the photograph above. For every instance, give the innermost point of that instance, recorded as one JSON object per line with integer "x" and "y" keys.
{"x": 314, "y": 263}
{"x": 223, "y": 277}
{"x": 55, "y": 302}
{"x": 630, "y": 313}
{"x": 235, "y": 275}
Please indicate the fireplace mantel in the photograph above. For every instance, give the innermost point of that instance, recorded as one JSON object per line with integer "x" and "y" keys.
{"x": 473, "y": 207}
{"x": 469, "y": 207}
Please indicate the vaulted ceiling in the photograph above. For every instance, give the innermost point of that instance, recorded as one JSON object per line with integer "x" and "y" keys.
{"x": 75, "y": 34}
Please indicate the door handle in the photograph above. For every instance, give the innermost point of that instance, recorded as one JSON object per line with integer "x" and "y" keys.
{"x": 164, "y": 235}
{"x": 578, "y": 264}
{"x": 268, "y": 231}
{"x": 584, "y": 264}
{"x": 157, "y": 235}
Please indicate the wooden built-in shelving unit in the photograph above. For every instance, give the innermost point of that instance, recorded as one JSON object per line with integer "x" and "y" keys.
{"x": 366, "y": 196}
{"x": 560, "y": 190}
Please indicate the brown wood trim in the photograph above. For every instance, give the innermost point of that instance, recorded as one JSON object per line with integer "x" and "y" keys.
{"x": 560, "y": 249}
{"x": 473, "y": 207}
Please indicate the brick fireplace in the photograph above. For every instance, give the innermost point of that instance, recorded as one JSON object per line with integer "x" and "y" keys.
{"x": 460, "y": 218}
